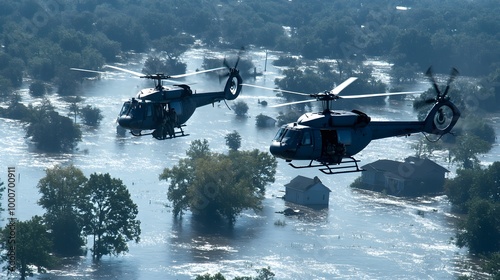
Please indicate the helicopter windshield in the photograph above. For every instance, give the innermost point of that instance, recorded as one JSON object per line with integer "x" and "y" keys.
{"x": 279, "y": 135}
{"x": 290, "y": 136}
{"x": 125, "y": 108}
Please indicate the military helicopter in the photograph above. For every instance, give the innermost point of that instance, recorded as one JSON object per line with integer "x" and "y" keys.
{"x": 163, "y": 110}
{"x": 329, "y": 139}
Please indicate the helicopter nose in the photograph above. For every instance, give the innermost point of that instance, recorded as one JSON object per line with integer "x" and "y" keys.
{"x": 277, "y": 149}
{"x": 125, "y": 121}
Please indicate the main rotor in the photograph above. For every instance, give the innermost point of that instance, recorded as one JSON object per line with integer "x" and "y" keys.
{"x": 328, "y": 96}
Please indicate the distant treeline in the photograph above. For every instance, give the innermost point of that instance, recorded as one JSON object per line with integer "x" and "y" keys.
{"x": 42, "y": 39}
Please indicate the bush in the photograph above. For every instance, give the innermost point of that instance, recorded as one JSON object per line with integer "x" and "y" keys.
{"x": 54, "y": 133}
{"x": 91, "y": 115}
{"x": 240, "y": 108}
{"x": 37, "y": 88}
{"x": 233, "y": 140}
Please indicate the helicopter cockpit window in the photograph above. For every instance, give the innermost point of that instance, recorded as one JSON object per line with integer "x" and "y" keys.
{"x": 280, "y": 134}
{"x": 125, "y": 108}
{"x": 290, "y": 136}
{"x": 306, "y": 138}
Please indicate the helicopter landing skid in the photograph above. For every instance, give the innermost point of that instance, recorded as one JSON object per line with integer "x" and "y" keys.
{"x": 347, "y": 166}
{"x": 176, "y": 133}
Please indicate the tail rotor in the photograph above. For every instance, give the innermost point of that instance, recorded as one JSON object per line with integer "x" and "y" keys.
{"x": 234, "y": 80}
{"x": 444, "y": 114}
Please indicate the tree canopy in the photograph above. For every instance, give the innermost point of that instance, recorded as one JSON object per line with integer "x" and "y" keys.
{"x": 61, "y": 196}
{"x": 76, "y": 207}
{"x": 109, "y": 215}
{"x": 210, "y": 184}
{"x": 32, "y": 246}
{"x": 476, "y": 192}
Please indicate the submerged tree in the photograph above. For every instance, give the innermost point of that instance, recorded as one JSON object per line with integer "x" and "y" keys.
{"x": 62, "y": 194}
{"x": 50, "y": 131}
{"x": 91, "y": 115}
{"x": 240, "y": 108}
{"x": 217, "y": 185}
{"x": 476, "y": 192}
{"x": 109, "y": 215}
{"x": 32, "y": 246}
{"x": 233, "y": 140}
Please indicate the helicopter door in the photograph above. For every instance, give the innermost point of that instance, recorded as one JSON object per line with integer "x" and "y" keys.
{"x": 344, "y": 136}
{"x": 306, "y": 146}
{"x": 334, "y": 144}
{"x": 177, "y": 106}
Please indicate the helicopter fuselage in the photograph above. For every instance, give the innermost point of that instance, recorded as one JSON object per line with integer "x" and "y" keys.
{"x": 147, "y": 110}
{"x": 330, "y": 136}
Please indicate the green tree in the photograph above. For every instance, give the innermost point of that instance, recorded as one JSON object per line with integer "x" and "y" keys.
{"x": 37, "y": 88}
{"x": 263, "y": 274}
{"x": 477, "y": 193}
{"x": 16, "y": 110}
{"x": 91, "y": 115}
{"x": 240, "y": 108}
{"x": 217, "y": 185}
{"x": 465, "y": 151}
{"x": 52, "y": 132}
{"x": 32, "y": 246}
{"x": 109, "y": 215}
{"x": 207, "y": 276}
{"x": 2, "y": 189}
{"x": 169, "y": 65}
{"x": 233, "y": 140}
{"x": 61, "y": 196}
{"x": 481, "y": 227}
{"x": 74, "y": 109}
{"x": 288, "y": 117}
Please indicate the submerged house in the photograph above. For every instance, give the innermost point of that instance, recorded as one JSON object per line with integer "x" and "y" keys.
{"x": 413, "y": 177}
{"x": 307, "y": 191}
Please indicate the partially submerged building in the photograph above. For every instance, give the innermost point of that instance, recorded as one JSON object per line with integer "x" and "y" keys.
{"x": 307, "y": 191}
{"x": 413, "y": 177}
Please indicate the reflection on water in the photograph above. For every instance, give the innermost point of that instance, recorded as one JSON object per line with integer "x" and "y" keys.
{"x": 360, "y": 235}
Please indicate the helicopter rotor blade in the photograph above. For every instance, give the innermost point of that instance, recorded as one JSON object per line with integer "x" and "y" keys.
{"x": 276, "y": 89}
{"x": 196, "y": 73}
{"x": 86, "y": 70}
{"x": 293, "y": 103}
{"x": 453, "y": 74}
{"x": 240, "y": 52}
{"x": 422, "y": 103}
{"x": 342, "y": 86}
{"x": 430, "y": 75}
{"x": 226, "y": 64}
{"x": 379, "y": 94}
{"x": 124, "y": 70}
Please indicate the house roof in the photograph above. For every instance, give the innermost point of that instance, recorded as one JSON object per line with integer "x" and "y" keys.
{"x": 302, "y": 183}
{"x": 412, "y": 167}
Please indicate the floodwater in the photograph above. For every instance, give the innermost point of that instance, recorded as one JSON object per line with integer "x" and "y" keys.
{"x": 362, "y": 235}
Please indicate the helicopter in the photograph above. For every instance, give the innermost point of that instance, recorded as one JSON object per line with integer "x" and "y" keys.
{"x": 330, "y": 139}
{"x": 164, "y": 110}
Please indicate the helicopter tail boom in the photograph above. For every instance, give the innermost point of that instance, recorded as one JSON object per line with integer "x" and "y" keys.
{"x": 440, "y": 120}
{"x": 231, "y": 91}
